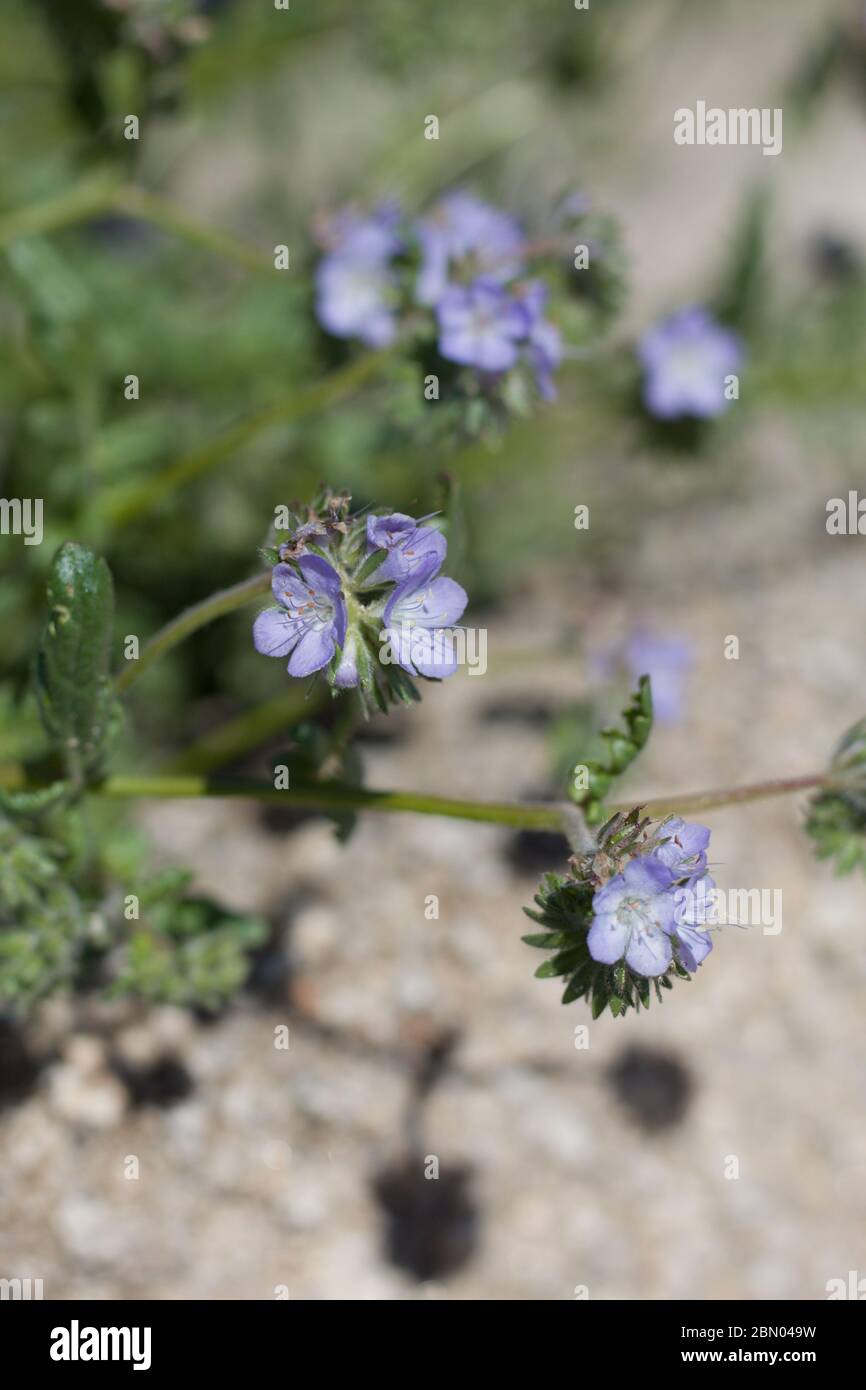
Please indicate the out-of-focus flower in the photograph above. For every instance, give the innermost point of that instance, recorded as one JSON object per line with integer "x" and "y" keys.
{"x": 470, "y": 290}
{"x": 310, "y": 622}
{"x": 686, "y": 359}
{"x": 481, "y": 325}
{"x": 464, "y": 239}
{"x": 356, "y": 286}
{"x": 544, "y": 338}
{"x": 666, "y": 660}
{"x": 410, "y": 547}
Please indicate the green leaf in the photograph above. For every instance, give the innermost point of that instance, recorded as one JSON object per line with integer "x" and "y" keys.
{"x": 621, "y": 747}
{"x": 72, "y": 673}
{"x": 600, "y": 994}
{"x": 836, "y": 819}
{"x": 739, "y": 301}
{"x": 452, "y": 520}
{"x": 548, "y": 970}
{"x": 43, "y": 923}
{"x": 547, "y": 941}
{"x": 186, "y": 950}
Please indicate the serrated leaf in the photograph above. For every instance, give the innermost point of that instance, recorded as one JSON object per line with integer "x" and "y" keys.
{"x": 621, "y": 747}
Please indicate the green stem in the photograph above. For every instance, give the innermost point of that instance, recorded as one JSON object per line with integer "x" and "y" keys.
{"x": 149, "y": 207}
{"x": 104, "y": 194}
{"x": 214, "y": 606}
{"x": 350, "y": 712}
{"x": 333, "y": 796}
{"x": 91, "y": 199}
{"x": 138, "y": 499}
{"x": 250, "y": 730}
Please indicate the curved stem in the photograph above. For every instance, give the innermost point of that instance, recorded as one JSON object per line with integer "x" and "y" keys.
{"x": 92, "y": 198}
{"x": 105, "y": 194}
{"x": 159, "y": 212}
{"x": 214, "y": 606}
{"x": 139, "y": 498}
{"x": 249, "y": 730}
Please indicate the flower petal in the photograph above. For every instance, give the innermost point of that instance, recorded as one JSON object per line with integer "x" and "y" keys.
{"x": 346, "y": 675}
{"x": 695, "y": 945}
{"x": 286, "y": 583}
{"x": 649, "y": 951}
{"x": 608, "y": 938}
{"x": 275, "y": 633}
{"x": 647, "y": 876}
{"x": 320, "y": 576}
{"x": 313, "y": 651}
{"x": 433, "y": 652}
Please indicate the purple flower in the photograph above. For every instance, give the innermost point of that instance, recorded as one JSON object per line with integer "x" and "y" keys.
{"x": 634, "y": 916}
{"x": 665, "y": 660}
{"x": 310, "y": 623}
{"x": 693, "y": 913}
{"x": 347, "y": 675}
{"x": 544, "y": 338}
{"x": 412, "y": 548}
{"x": 417, "y": 621}
{"x": 686, "y": 359}
{"x": 481, "y": 325}
{"x": 356, "y": 288}
{"x": 372, "y": 238}
{"x": 685, "y": 848}
{"x": 464, "y": 233}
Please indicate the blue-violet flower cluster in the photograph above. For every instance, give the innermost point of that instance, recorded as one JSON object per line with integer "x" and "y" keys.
{"x": 653, "y": 910}
{"x": 459, "y": 273}
{"x": 362, "y": 597}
